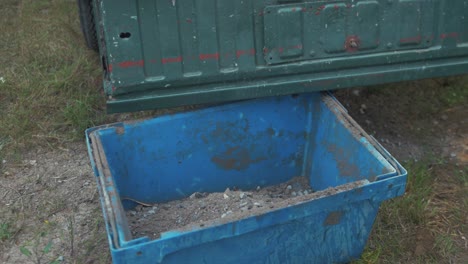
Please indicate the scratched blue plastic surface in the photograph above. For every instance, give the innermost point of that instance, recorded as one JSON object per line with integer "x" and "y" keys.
{"x": 248, "y": 144}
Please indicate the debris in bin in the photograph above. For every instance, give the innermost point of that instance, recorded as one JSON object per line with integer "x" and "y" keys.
{"x": 186, "y": 214}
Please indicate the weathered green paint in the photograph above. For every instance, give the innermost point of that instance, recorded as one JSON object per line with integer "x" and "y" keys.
{"x": 163, "y": 53}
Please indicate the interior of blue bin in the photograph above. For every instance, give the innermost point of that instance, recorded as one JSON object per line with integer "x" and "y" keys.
{"x": 244, "y": 145}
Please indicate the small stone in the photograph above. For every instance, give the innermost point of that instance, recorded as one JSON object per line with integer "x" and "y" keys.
{"x": 60, "y": 258}
{"x": 225, "y": 196}
{"x": 306, "y": 192}
{"x": 356, "y": 92}
{"x": 299, "y": 193}
{"x": 242, "y": 195}
{"x": 196, "y": 195}
{"x": 243, "y": 204}
{"x": 86, "y": 183}
{"x": 363, "y": 106}
{"x": 227, "y": 191}
{"x": 202, "y": 205}
{"x": 294, "y": 194}
{"x": 3, "y": 161}
{"x": 133, "y": 212}
{"x": 258, "y": 188}
{"x": 258, "y": 204}
{"x": 289, "y": 187}
{"x": 226, "y": 214}
{"x": 435, "y": 122}
{"x": 152, "y": 211}
{"x": 453, "y": 155}
{"x": 444, "y": 117}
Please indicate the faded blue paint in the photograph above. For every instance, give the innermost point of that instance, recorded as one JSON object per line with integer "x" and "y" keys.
{"x": 273, "y": 140}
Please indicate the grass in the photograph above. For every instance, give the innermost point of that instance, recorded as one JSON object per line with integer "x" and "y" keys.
{"x": 412, "y": 228}
{"x": 50, "y": 88}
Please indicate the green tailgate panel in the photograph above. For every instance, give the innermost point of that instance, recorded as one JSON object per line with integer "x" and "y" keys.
{"x": 165, "y": 53}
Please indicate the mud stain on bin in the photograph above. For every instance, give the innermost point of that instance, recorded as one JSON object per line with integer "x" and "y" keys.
{"x": 235, "y": 158}
{"x": 345, "y": 167}
{"x": 333, "y": 218}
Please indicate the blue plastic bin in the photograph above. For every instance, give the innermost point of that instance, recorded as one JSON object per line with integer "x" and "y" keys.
{"x": 246, "y": 144}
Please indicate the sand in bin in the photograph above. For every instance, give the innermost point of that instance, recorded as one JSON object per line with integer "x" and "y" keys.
{"x": 204, "y": 209}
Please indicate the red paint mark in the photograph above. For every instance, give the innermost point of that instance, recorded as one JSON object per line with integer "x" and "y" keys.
{"x": 352, "y": 44}
{"x": 349, "y": 6}
{"x": 280, "y": 50}
{"x": 128, "y": 64}
{"x": 304, "y": 9}
{"x": 449, "y": 35}
{"x": 209, "y": 56}
{"x": 260, "y": 13}
{"x": 299, "y": 46}
{"x": 245, "y": 52}
{"x": 189, "y": 20}
{"x": 336, "y": 7}
{"x": 240, "y": 53}
{"x": 114, "y": 88}
{"x": 317, "y": 13}
{"x": 294, "y": 9}
{"x": 171, "y": 60}
{"x": 322, "y": 7}
{"x": 109, "y": 68}
{"x": 411, "y": 39}
{"x": 265, "y": 50}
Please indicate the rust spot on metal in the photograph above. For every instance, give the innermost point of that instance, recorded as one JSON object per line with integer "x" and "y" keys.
{"x": 352, "y": 43}
{"x": 333, "y": 218}
{"x": 235, "y": 158}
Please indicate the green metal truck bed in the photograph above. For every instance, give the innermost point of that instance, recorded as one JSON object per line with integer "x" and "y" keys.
{"x": 165, "y": 53}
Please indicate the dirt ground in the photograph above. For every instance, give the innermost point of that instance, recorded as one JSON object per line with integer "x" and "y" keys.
{"x": 49, "y": 198}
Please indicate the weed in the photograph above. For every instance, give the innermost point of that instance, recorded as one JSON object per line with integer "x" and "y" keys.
{"x": 456, "y": 94}
{"x": 369, "y": 256}
{"x": 445, "y": 246}
{"x": 36, "y": 251}
{"x": 5, "y": 231}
